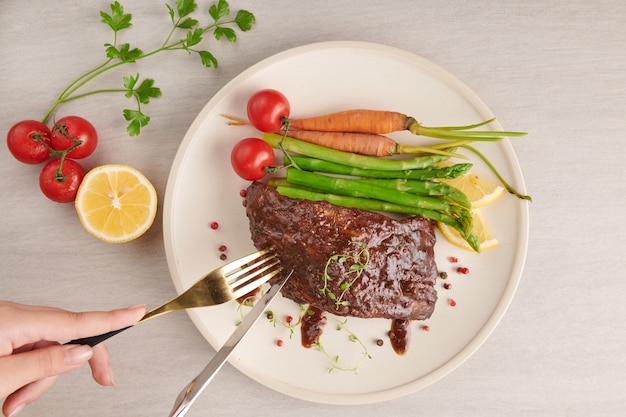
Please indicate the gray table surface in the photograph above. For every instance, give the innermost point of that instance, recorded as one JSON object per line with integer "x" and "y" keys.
{"x": 555, "y": 68}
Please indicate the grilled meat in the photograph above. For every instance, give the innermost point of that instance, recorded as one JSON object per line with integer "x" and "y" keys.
{"x": 396, "y": 282}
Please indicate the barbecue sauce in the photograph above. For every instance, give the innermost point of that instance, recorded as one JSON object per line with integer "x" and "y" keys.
{"x": 313, "y": 323}
{"x": 400, "y": 335}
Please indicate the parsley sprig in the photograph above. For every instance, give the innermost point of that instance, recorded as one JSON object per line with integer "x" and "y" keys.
{"x": 222, "y": 24}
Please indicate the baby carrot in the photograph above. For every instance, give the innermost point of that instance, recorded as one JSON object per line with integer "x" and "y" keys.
{"x": 363, "y": 121}
{"x": 363, "y": 143}
{"x": 291, "y": 145}
{"x": 383, "y": 122}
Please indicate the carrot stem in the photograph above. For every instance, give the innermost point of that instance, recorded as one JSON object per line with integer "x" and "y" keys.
{"x": 409, "y": 149}
{"x": 461, "y": 132}
{"x": 505, "y": 184}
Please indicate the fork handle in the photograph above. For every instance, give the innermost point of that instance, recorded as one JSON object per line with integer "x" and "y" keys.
{"x": 94, "y": 340}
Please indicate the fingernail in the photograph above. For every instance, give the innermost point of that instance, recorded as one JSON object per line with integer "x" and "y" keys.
{"x": 136, "y": 306}
{"x": 111, "y": 380}
{"x": 16, "y": 410}
{"x": 77, "y": 355}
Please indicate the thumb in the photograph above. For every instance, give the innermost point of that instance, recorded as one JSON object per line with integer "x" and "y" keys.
{"x": 26, "y": 367}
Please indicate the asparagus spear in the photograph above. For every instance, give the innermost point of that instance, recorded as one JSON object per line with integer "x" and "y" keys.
{"x": 430, "y": 172}
{"x": 357, "y": 188}
{"x": 291, "y": 191}
{"x": 430, "y": 188}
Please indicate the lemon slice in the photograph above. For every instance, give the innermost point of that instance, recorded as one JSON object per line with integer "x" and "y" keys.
{"x": 481, "y": 229}
{"x": 479, "y": 190}
{"x": 116, "y": 203}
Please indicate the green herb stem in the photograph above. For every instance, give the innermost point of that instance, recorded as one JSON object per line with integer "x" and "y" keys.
{"x": 493, "y": 169}
{"x": 460, "y": 132}
{"x": 119, "y": 55}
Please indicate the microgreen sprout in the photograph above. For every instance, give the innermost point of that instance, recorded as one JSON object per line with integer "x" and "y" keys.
{"x": 221, "y": 24}
{"x": 356, "y": 261}
{"x": 334, "y": 359}
{"x": 287, "y": 322}
{"x": 246, "y": 302}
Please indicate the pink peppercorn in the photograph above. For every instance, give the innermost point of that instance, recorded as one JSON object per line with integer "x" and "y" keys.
{"x": 242, "y": 193}
{"x": 426, "y": 328}
{"x": 453, "y": 259}
{"x": 289, "y": 319}
{"x": 279, "y": 342}
{"x": 451, "y": 302}
{"x": 214, "y": 225}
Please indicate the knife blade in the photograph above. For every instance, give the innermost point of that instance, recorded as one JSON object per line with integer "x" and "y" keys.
{"x": 189, "y": 394}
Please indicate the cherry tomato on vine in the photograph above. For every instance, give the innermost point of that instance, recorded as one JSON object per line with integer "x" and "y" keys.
{"x": 68, "y": 130}
{"x": 61, "y": 188}
{"x": 266, "y": 110}
{"x": 29, "y": 141}
{"x": 250, "y": 157}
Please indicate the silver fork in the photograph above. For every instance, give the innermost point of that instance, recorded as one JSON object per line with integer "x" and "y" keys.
{"x": 233, "y": 280}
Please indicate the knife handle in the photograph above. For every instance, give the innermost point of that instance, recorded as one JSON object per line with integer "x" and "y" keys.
{"x": 94, "y": 340}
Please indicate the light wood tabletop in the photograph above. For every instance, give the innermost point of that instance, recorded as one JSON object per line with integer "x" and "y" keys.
{"x": 555, "y": 69}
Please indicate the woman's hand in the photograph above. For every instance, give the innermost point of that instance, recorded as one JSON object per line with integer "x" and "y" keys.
{"x": 31, "y": 356}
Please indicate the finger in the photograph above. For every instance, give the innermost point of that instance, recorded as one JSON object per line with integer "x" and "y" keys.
{"x": 100, "y": 365}
{"x": 61, "y": 325}
{"x": 23, "y": 368}
{"x": 31, "y": 346}
{"x": 26, "y": 395}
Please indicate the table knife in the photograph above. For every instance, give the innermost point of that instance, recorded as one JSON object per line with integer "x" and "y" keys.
{"x": 189, "y": 394}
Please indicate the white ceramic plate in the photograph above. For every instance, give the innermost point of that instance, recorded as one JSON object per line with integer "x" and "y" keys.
{"x": 202, "y": 188}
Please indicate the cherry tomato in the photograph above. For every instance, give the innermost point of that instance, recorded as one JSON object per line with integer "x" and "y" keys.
{"x": 61, "y": 189}
{"x": 68, "y": 130}
{"x": 250, "y": 157}
{"x": 27, "y": 141}
{"x": 266, "y": 110}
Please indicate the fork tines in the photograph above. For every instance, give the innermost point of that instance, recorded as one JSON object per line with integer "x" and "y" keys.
{"x": 252, "y": 271}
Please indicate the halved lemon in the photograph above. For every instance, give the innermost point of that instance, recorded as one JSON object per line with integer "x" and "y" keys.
{"x": 479, "y": 190}
{"x": 116, "y": 203}
{"x": 481, "y": 229}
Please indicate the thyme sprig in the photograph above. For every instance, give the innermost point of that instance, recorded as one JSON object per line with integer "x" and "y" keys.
{"x": 359, "y": 257}
{"x": 334, "y": 359}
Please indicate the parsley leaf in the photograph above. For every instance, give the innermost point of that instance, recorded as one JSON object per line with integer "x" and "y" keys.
{"x": 219, "y": 10}
{"x": 117, "y": 20}
{"x": 123, "y": 53}
{"x": 194, "y": 37}
{"x": 185, "y": 7}
{"x": 144, "y": 92}
{"x": 228, "y": 32}
{"x": 244, "y": 20}
{"x": 187, "y": 23}
{"x": 207, "y": 58}
{"x": 137, "y": 120}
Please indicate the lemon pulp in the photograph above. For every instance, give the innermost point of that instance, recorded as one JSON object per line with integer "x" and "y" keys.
{"x": 116, "y": 203}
